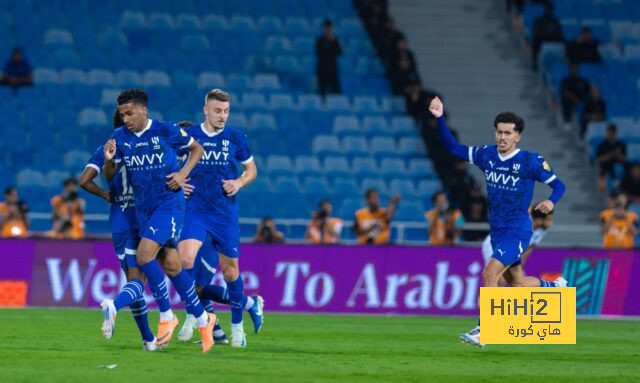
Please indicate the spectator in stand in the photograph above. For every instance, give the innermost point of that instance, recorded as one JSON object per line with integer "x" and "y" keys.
{"x": 324, "y": 228}
{"x": 17, "y": 71}
{"x": 444, "y": 223}
{"x": 595, "y": 109}
{"x": 610, "y": 153}
{"x": 630, "y": 184}
{"x": 584, "y": 48}
{"x": 474, "y": 210}
{"x": 575, "y": 89}
{"x": 388, "y": 42}
{"x": 416, "y": 98}
{"x": 327, "y": 51}
{"x": 546, "y": 28}
{"x": 13, "y": 215}
{"x": 619, "y": 226}
{"x": 404, "y": 77}
{"x": 267, "y": 232}
{"x": 401, "y": 53}
{"x": 68, "y": 212}
{"x": 374, "y": 14}
{"x": 372, "y": 222}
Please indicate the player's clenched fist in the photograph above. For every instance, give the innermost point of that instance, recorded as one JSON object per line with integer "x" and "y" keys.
{"x": 109, "y": 150}
{"x": 436, "y": 108}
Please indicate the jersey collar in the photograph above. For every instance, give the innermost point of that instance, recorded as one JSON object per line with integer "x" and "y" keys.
{"x": 509, "y": 156}
{"x": 140, "y": 133}
{"x": 205, "y": 131}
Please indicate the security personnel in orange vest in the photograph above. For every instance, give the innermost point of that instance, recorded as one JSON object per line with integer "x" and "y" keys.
{"x": 444, "y": 224}
{"x": 68, "y": 212}
{"x": 373, "y": 222}
{"x": 323, "y": 227}
{"x": 619, "y": 226}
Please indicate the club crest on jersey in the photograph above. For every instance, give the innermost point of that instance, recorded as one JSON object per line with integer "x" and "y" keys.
{"x": 225, "y": 145}
{"x": 156, "y": 142}
{"x": 516, "y": 168}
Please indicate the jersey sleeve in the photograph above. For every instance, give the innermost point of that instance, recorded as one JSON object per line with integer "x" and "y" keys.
{"x": 178, "y": 137}
{"x": 97, "y": 160}
{"x": 541, "y": 170}
{"x": 477, "y": 155}
{"x": 243, "y": 152}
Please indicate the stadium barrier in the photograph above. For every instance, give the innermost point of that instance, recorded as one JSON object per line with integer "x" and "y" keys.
{"x": 331, "y": 279}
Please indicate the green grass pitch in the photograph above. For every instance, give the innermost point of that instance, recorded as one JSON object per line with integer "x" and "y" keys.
{"x": 66, "y": 345}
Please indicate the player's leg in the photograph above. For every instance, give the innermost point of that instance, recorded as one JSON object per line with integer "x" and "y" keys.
{"x": 185, "y": 287}
{"x": 558, "y": 282}
{"x": 206, "y": 266}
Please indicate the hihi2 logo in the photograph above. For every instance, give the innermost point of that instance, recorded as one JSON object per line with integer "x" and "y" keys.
{"x": 528, "y": 315}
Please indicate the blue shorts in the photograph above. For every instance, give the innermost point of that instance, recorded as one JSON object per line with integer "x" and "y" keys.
{"x": 125, "y": 244}
{"x": 163, "y": 227}
{"x": 205, "y": 265}
{"x": 508, "y": 246}
{"x": 224, "y": 236}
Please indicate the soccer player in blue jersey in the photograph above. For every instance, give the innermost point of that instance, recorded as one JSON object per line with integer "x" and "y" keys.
{"x": 125, "y": 237}
{"x": 510, "y": 174}
{"x": 147, "y": 149}
{"x": 212, "y": 209}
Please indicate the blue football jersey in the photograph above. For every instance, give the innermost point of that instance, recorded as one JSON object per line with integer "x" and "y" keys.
{"x": 510, "y": 184}
{"x": 122, "y": 215}
{"x": 224, "y": 154}
{"x": 149, "y": 156}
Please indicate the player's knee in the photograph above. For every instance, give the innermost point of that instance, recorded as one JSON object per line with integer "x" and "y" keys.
{"x": 187, "y": 262}
{"x": 230, "y": 272}
{"x": 489, "y": 278}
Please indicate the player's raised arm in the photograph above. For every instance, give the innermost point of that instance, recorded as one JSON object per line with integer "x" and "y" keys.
{"x": 448, "y": 141}
{"x": 177, "y": 180}
{"x": 110, "y": 167}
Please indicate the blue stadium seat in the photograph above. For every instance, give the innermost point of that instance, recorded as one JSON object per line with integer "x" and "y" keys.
{"x": 377, "y": 126}
{"x": 133, "y": 20}
{"x": 279, "y": 166}
{"x": 30, "y": 177}
{"x": 317, "y": 188}
{"x": 337, "y": 103}
{"x": 410, "y": 210}
{"x": 297, "y": 26}
{"x": 393, "y": 104}
{"x": 210, "y": 80}
{"x": 156, "y": 78}
{"x": 236, "y": 119}
{"x": 282, "y": 102}
{"x": 393, "y": 167}
{"x": 266, "y": 82}
{"x": 58, "y": 37}
{"x": 421, "y": 168}
{"x": 113, "y": 40}
{"x": 308, "y": 166}
{"x": 412, "y": 147}
{"x": 364, "y": 167}
{"x": 90, "y": 116}
{"x": 326, "y": 145}
{"x": 260, "y": 185}
{"x": 128, "y": 78}
{"x": 336, "y": 167}
{"x": 254, "y": 102}
{"x": 346, "y": 186}
{"x": 383, "y": 147}
{"x": 239, "y": 82}
{"x": 347, "y": 125}
{"x": 403, "y": 187}
{"x": 242, "y": 25}
{"x": 427, "y": 188}
{"x": 297, "y": 205}
{"x": 310, "y": 102}
{"x": 374, "y": 183}
{"x": 356, "y": 146}
{"x": 160, "y": 21}
{"x": 67, "y": 58}
{"x": 403, "y": 126}
{"x": 187, "y": 23}
{"x": 365, "y": 105}
{"x": 288, "y": 185}
{"x": 195, "y": 43}
{"x": 262, "y": 121}
{"x": 270, "y": 25}
{"x": 100, "y": 77}
{"x": 304, "y": 46}
{"x": 633, "y": 152}
{"x": 215, "y": 23}
{"x": 45, "y": 75}
{"x": 349, "y": 207}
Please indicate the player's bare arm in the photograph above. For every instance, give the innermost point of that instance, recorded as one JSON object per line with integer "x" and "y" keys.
{"x": 545, "y": 206}
{"x": 109, "y": 167}
{"x": 178, "y": 179}
{"x": 86, "y": 182}
{"x": 231, "y": 187}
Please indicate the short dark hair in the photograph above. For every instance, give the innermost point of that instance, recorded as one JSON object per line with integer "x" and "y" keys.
{"x": 217, "y": 94}
{"x": 370, "y": 191}
{"x": 69, "y": 181}
{"x": 536, "y": 214}
{"x": 323, "y": 202}
{"x": 184, "y": 124}
{"x": 436, "y": 194}
{"x": 328, "y": 23}
{"x": 509, "y": 118}
{"x": 612, "y": 128}
{"x": 117, "y": 119}
{"x": 137, "y": 96}
{"x": 10, "y": 189}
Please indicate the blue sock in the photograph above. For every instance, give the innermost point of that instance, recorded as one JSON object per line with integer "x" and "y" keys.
{"x": 187, "y": 290}
{"x": 130, "y": 293}
{"x": 544, "y": 283}
{"x": 215, "y": 293}
{"x": 208, "y": 306}
{"x": 139, "y": 311}
{"x": 158, "y": 287}
{"x": 191, "y": 272}
{"x": 478, "y": 324}
{"x": 237, "y": 299}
